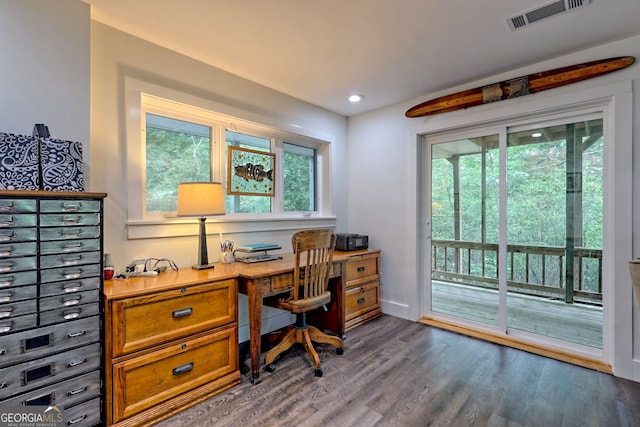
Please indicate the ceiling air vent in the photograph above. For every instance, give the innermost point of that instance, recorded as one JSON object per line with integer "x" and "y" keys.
{"x": 541, "y": 12}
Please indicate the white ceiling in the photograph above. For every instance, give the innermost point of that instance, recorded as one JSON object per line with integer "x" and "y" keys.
{"x": 389, "y": 50}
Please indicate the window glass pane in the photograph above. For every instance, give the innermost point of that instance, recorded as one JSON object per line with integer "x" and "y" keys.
{"x": 299, "y": 178}
{"x": 248, "y": 204}
{"x": 176, "y": 151}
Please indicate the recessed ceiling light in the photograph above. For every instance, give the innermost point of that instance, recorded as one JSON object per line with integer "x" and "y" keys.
{"x": 356, "y": 97}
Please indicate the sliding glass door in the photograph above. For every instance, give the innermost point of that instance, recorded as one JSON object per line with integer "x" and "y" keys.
{"x": 516, "y": 229}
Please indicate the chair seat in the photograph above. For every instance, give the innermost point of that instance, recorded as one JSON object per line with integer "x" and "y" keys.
{"x": 304, "y": 305}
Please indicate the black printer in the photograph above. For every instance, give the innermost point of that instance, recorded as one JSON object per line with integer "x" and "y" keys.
{"x": 351, "y": 242}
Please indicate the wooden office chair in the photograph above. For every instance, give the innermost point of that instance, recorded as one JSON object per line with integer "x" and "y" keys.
{"x": 313, "y": 251}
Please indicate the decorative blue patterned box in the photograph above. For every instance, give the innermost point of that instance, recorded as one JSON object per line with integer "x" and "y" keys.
{"x": 32, "y": 163}
{"x": 19, "y": 162}
{"x": 61, "y": 165}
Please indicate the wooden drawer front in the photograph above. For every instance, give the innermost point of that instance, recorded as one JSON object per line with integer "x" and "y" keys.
{"x": 17, "y": 206}
{"x": 142, "y": 382}
{"x": 44, "y": 341}
{"x": 362, "y": 299}
{"x": 69, "y": 260}
{"x": 70, "y": 206}
{"x": 63, "y": 394}
{"x": 146, "y": 321}
{"x": 48, "y": 370}
{"x": 362, "y": 267}
{"x": 69, "y": 286}
{"x": 69, "y": 246}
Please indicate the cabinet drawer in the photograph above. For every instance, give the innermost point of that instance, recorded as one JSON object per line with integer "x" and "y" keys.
{"x": 69, "y": 206}
{"x": 69, "y": 246}
{"x": 69, "y": 220}
{"x": 11, "y": 265}
{"x": 361, "y": 299}
{"x": 10, "y": 310}
{"x": 18, "y": 234}
{"x": 18, "y": 220}
{"x": 67, "y": 300}
{"x": 63, "y": 394}
{"x": 8, "y": 250}
{"x": 142, "y": 382}
{"x": 18, "y": 293}
{"x": 69, "y": 233}
{"x": 70, "y": 273}
{"x": 44, "y": 341}
{"x": 69, "y": 313}
{"x": 69, "y": 286}
{"x": 149, "y": 320}
{"x": 362, "y": 267}
{"x": 18, "y": 323}
{"x": 48, "y": 370}
{"x": 17, "y": 206}
{"x": 69, "y": 259}
{"x": 9, "y": 280}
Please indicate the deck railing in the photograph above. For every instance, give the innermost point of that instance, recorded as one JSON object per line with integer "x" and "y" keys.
{"x": 533, "y": 270}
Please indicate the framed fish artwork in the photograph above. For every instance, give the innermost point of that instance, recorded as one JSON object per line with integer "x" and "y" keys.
{"x": 250, "y": 172}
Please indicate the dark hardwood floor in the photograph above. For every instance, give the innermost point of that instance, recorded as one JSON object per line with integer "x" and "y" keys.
{"x": 399, "y": 373}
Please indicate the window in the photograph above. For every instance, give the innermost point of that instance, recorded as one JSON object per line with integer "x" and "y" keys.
{"x": 180, "y": 142}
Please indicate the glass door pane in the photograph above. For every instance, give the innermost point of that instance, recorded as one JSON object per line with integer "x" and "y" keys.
{"x": 554, "y": 231}
{"x": 464, "y": 228}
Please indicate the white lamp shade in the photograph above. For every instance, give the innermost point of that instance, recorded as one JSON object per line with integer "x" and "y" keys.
{"x": 200, "y": 199}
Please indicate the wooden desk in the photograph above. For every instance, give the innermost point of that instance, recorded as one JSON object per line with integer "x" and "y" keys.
{"x": 263, "y": 279}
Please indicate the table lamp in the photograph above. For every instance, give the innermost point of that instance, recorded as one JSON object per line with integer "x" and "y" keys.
{"x": 201, "y": 199}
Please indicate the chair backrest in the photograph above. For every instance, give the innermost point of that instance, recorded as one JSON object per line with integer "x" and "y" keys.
{"x": 313, "y": 250}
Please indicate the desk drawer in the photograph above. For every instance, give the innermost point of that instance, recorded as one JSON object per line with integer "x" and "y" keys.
{"x": 362, "y": 267}
{"x": 362, "y": 299}
{"x": 142, "y": 382}
{"x": 150, "y": 320}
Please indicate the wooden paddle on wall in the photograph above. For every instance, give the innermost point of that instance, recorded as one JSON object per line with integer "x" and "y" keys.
{"x": 519, "y": 86}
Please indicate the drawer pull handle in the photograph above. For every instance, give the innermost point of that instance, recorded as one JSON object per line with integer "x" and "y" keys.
{"x": 6, "y": 221}
{"x": 7, "y": 252}
{"x": 76, "y": 420}
{"x": 72, "y": 275}
{"x": 72, "y": 287}
{"x": 5, "y": 328}
{"x": 75, "y": 363}
{"x": 3, "y": 385}
{"x": 183, "y": 369}
{"x": 6, "y": 267}
{"x": 360, "y": 269}
{"x": 6, "y": 236}
{"x": 75, "y": 334}
{"x": 6, "y": 297}
{"x": 70, "y": 302}
{"x": 68, "y": 220}
{"x": 72, "y": 315}
{"x": 361, "y": 300}
{"x": 69, "y": 234}
{"x": 8, "y": 281}
{"x": 6, "y": 313}
{"x": 77, "y": 391}
{"x": 70, "y": 206}
{"x": 3, "y": 352}
{"x": 72, "y": 247}
{"x": 6, "y": 206}
{"x": 182, "y": 313}
{"x": 72, "y": 261}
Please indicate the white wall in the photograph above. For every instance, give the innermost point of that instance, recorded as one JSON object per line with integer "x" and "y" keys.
{"x": 44, "y": 76}
{"x": 382, "y": 151}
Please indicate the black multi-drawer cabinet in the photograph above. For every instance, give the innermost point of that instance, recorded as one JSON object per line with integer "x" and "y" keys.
{"x": 51, "y": 252}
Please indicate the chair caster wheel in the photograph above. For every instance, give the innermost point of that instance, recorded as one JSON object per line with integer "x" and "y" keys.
{"x": 271, "y": 367}
{"x": 318, "y": 372}
{"x": 339, "y": 351}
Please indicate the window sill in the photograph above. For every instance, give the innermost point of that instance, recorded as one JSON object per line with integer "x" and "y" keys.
{"x": 227, "y": 225}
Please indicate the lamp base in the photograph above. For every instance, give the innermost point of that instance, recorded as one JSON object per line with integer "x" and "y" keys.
{"x": 202, "y": 266}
